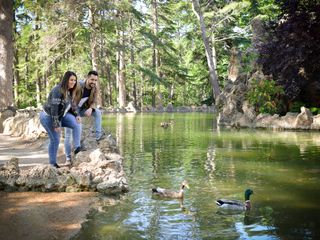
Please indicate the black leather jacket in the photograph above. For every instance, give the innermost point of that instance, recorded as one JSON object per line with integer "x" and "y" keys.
{"x": 56, "y": 105}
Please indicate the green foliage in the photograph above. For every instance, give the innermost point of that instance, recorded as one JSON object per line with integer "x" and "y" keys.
{"x": 291, "y": 51}
{"x": 295, "y": 106}
{"x": 315, "y": 110}
{"x": 54, "y": 36}
{"x": 248, "y": 62}
{"x": 265, "y": 96}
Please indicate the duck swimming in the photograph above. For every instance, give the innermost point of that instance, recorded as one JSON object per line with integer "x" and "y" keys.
{"x": 162, "y": 192}
{"x": 166, "y": 124}
{"x": 235, "y": 204}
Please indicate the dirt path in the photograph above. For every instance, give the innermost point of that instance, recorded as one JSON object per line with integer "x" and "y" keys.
{"x": 29, "y": 152}
{"x": 33, "y": 215}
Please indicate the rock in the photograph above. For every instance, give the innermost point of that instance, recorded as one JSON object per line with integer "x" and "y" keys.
{"x": 9, "y": 173}
{"x": 316, "y": 122}
{"x": 5, "y": 114}
{"x": 113, "y": 186}
{"x": 130, "y": 107}
{"x": 248, "y": 111}
{"x": 234, "y": 65}
{"x": 12, "y": 166}
{"x": 39, "y": 178}
{"x": 24, "y": 124}
{"x": 287, "y": 121}
{"x": 304, "y": 119}
{"x": 235, "y": 110}
{"x": 170, "y": 107}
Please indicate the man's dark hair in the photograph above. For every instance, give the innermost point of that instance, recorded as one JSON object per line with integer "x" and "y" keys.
{"x": 93, "y": 72}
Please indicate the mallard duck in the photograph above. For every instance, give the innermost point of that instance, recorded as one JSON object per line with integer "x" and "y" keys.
{"x": 162, "y": 192}
{"x": 236, "y": 205}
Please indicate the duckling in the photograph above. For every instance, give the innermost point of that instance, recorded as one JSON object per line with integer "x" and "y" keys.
{"x": 162, "y": 192}
{"x": 236, "y": 205}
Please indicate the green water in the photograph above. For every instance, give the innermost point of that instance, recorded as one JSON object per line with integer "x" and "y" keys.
{"x": 282, "y": 168}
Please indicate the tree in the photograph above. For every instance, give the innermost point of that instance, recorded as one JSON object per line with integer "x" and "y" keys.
{"x": 210, "y": 60}
{"x": 6, "y": 53}
{"x": 291, "y": 54}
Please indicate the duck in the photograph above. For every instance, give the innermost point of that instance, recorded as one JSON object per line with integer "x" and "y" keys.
{"x": 235, "y": 204}
{"x": 166, "y": 124}
{"x": 166, "y": 193}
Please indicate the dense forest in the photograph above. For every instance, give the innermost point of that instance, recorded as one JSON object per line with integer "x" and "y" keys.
{"x": 156, "y": 52}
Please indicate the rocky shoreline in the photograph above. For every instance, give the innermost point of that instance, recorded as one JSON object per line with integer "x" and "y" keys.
{"x": 235, "y": 111}
{"x": 100, "y": 168}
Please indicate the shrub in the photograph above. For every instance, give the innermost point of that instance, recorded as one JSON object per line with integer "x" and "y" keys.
{"x": 265, "y": 96}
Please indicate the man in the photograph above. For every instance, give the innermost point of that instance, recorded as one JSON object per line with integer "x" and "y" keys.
{"x": 86, "y": 108}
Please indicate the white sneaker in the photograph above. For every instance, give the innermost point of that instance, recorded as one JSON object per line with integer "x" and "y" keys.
{"x": 68, "y": 163}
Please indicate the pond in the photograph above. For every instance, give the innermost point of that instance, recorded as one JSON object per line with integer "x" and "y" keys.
{"x": 281, "y": 167}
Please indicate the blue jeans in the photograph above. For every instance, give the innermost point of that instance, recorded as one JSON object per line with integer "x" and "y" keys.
{"x": 68, "y": 132}
{"x": 68, "y": 121}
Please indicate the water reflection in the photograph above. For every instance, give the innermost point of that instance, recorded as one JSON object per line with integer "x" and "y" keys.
{"x": 282, "y": 168}
{"x": 210, "y": 164}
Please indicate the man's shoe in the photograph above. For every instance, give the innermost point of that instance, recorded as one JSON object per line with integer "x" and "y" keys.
{"x": 79, "y": 149}
{"x": 56, "y": 165}
{"x": 103, "y": 136}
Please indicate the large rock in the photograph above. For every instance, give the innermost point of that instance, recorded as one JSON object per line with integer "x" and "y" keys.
{"x": 316, "y": 122}
{"x": 130, "y": 107}
{"x": 9, "y": 173}
{"x": 235, "y": 110}
{"x": 304, "y": 119}
{"x": 40, "y": 178}
{"x": 25, "y": 123}
{"x": 5, "y": 114}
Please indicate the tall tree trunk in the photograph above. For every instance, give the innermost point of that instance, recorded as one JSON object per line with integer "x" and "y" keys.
{"x": 16, "y": 75}
{"x": 132, "y": 61}
{"x": 6, "y": 53}
{"x": 94, "y": 51}
{"x": 212, "y": 67}
{"x": 109, "y": 80}
{"x": 16, "y": 78}
{"x": 157, "y": 97}
{"x": 141, "y": 89}
{"x": 122, "y": 79}
{"x": 38, "y": 89}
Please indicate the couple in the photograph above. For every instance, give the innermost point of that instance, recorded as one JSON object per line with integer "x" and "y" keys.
{"x": 67, "y": 103}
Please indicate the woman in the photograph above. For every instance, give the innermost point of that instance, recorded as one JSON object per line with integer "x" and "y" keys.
{"x": 56, "y": 114}
{"x": 77, "y": 93}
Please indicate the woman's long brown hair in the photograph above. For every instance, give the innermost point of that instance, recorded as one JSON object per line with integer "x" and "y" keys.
{"x": 64, "y": 84}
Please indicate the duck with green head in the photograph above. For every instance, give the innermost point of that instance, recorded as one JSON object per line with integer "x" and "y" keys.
{"x": 235, "y": 204}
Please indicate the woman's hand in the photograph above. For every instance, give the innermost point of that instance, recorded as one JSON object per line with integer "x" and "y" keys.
{"x": 58, "y": 129}
{"x": 88, "y": 112}
{"x": 78, "y": 118}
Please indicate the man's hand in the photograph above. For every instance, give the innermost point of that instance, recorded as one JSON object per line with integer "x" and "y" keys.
{"x": 88, "y": 112}
{"x": 58, "y": 129}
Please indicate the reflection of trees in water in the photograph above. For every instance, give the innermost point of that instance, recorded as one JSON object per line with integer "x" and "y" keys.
{"x": 210, "y": 165}
{"x": 120, "y": 132}
{"x": 246, "y": 139}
